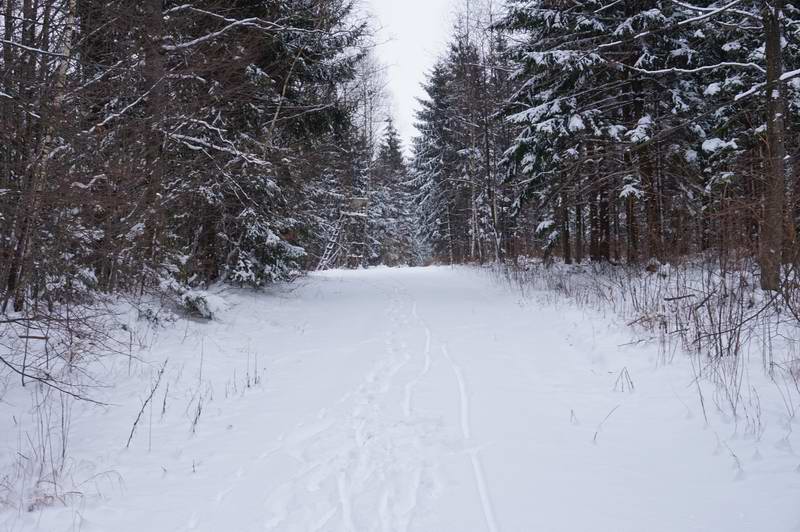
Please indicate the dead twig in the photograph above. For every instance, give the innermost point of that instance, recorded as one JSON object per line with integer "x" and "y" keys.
{"x": 146, "y": 402}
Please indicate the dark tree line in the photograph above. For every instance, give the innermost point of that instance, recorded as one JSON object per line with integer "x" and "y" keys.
{"x": 164, "y": 144}
{"x": 640, "y": 131}
{"x": 167, "y": 145}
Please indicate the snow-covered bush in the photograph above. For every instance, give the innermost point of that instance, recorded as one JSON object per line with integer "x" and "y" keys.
{"x": 203, "y": 304}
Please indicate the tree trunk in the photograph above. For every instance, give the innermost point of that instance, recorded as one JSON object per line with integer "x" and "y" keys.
{"x": 605, "y": 227}
{"x": 771, "y": 237}
{"x": 652, "y": 218}
{"x": 154, "y": 74}
{"x": 566, "y": 245}
{"x": 614, "y": 212}
{"x": 632, "y": 230}
{"x": 579, "y": 230}
{"x": 594, "y": 230}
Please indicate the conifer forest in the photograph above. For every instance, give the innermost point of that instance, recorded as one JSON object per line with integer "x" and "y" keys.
{"x": 238, "y": 278}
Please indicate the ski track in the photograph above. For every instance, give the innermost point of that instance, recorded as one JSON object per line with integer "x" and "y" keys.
{"x": 410, "y": 385}
{"x": 360, "y": 451}
{"x": 355, "y": 468}
{"x": 486, "y": 502}
{"x": 474, "y": 456}
{"x": 462, "y": 393}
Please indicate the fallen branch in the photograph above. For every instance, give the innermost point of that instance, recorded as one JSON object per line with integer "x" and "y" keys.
{"x": 678, "y": 298}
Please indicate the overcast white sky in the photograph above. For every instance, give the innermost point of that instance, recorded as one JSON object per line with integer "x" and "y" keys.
{"x": 412, "y": 33}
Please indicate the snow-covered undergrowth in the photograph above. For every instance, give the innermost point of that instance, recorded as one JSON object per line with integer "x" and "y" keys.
{"x": 63, "y": 356}
{"x": 741, "y": 340}
{"x": 413, "y": 399}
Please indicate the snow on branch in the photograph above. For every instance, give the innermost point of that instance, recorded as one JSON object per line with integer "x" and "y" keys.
{"x": 790, "y": 75}
{"x": 758, "y": 86}
{"x": 711, "y": 9}
{"x": 674, "y": 70}
{"x": 213, "y": 35}
{"x": 196, "y": 144}
{"x": 34, "y": 50}
{"x": 692, "y": 20}
{"x": 127, "y": 108}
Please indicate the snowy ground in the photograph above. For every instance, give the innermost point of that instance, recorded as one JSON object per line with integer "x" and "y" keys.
{"x": 412, "y": 399}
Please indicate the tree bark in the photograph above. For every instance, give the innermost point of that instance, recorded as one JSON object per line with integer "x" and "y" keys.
{"x": 605, "y": 227}
{"x": 632, "y": 230}
{"x": 566, "y": 245}
{"x": 154, "y": 74}
{"x": 579, "y": 230}
{"x": 771, "y": 237}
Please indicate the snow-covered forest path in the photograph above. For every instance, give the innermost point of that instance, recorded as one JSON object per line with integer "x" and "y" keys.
{"x": 421, "y": 400}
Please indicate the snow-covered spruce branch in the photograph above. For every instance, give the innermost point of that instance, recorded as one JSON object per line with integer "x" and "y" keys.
{"x": 752, "y": 91}
{"x": 759, "y": 86}
{"x": 127, "y": 108}
{"x": 676, "y": 70}
{"x": 219, "y": 131}
{"x": 700, "y": 9}
{"x": 682, "y": 23}
{"x": 196, "y": 144}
